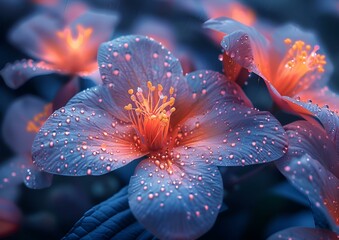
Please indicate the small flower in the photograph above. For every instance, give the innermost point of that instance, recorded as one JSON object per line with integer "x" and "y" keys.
{"x": 20, "y": 125}
{"x": 288, "y": 61}
{"x": 65, "y": 41}
{"x": 184, "y": 127}
{"x": 311, "y": 163}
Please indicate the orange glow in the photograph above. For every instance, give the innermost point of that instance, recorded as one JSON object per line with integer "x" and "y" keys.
{"x": 75, "y": 43}
{"x": 332, "y": 207}
{"x": 72, "y": 51}
{"x": 299, "y": 68}
{"x": 234, "y": 10}
{"x": 240, "y": 13}
{"x": 150, "y": 115}
{"x": 38, "y": 120}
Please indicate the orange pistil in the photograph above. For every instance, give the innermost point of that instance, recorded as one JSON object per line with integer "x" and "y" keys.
{"x": 299, "y": 68}
{"x": 151, "y": 114}
{"x": 77, "y": 42}
{"x": 38, "y": 120}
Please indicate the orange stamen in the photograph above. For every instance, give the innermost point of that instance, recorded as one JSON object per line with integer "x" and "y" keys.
{"x": 151, "y": 114}
{"x": 299, "y": 68}
{"x": 77, "y": 42}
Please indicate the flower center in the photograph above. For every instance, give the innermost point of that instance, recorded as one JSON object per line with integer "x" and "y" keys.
{"x": 38, "y": 120}
{"x": 300, "y": 67}
{"x": 76, "y": 42}
{"x": 151, "y": 113}
{"x": 164, "y": 160}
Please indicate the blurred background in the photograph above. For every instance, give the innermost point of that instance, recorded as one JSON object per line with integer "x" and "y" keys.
{"x": 258, "y": 201}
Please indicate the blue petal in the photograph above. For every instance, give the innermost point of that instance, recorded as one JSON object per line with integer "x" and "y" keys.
{"x": 302, "y": 166}
{"x": 328, "y": 119}
{"x": 36, "y": 179}
{"x": 181, "y": 202}
{"x": 288, "y": 191}
{"x": 16, "y": 130}
{"x": 12, "y": 172}
{"x": 225, "y": 129}
{"x": 20, "y": 169}
{"x": 16, "y": 74}
{"x": 130, "y": 62}
{"x": 85, "y": 137}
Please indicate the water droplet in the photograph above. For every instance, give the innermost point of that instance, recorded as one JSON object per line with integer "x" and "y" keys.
{"x": 116, "y": 72}
{"x": 128, "y": 57}
{"x": 168, "y": 74}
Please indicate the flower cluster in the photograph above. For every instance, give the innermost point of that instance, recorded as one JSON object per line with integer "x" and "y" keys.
{"x": 181, "y": 129}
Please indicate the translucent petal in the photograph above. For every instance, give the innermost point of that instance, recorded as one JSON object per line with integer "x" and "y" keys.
{"x": 36, "y": 179}
{"x": 328, "y": 119}
{"x": 130, "y": 62}
{"x": 301, "y": 233}
{"x": 16, "y": 74}
{"x": 244, "y": 45}
{"x": 177, "y": 203}
{"x": 12, "y": 173}
{"x": 22, "y": 121}
{"x": 85, "y": 137}
{"x": 321, "y": 97}
{"x": 231, "y": 9}
{"x": 225, "y": 25}
{"x": 311, "y": 165}
{"x": 225, "y": 129}
{"x": 102, "y": 23}
{"x": 20, "y": 169}
{"x": 31, "y": 36}
{"x": 288, "y": 104}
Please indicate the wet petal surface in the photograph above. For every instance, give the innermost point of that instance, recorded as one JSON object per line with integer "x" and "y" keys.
{"x": 85, "y": 138}
{"x": 226, "y": 128}
{"x": 311, "y": 165}
{"x": 16, "y": 74}
{"x": 130, "y": 62}
{"x": 243, "y": 45}
{"x": 178, "y": 203}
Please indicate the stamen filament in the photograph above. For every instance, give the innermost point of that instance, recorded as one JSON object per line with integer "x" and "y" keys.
{"x": 300, "y": 67}
{"x": 151, "y": 115}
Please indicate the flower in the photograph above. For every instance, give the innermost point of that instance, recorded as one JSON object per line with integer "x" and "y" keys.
{"x": 22, "y": 121}
{"x": 184, "y": 127}
{"x": 311, "y": 164}
{"x": 65, "y": 41}
{"x": 288, "y": 61}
